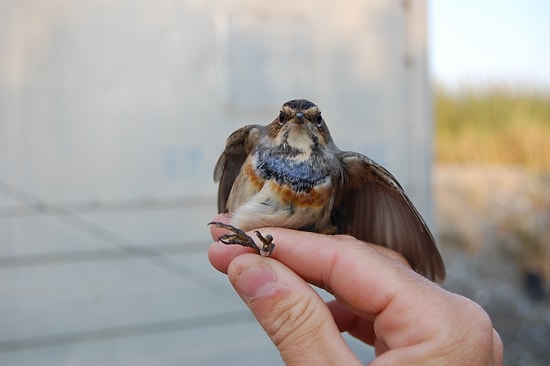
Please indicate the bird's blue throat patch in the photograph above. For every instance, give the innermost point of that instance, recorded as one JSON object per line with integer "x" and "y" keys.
{"x": 300, "y": 175}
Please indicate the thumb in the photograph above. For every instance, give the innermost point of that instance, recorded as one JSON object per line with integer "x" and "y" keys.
{"x": 292, "y": 314}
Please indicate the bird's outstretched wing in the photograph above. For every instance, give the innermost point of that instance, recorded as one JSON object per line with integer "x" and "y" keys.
{"x": 239, "y": 144}
{"x": 373, "y": 207}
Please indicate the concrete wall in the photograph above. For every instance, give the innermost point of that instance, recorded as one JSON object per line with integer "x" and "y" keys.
{"x": 112, "y": 115}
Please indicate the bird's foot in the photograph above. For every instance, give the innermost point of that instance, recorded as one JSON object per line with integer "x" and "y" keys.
{"x": 267, "y": 244}
{"x": 238, "y": 236}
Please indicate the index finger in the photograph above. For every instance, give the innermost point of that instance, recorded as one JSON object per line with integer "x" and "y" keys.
{"x": 223, "y": 256}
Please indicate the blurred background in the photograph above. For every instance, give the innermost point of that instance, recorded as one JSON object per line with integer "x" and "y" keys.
{"x": 112, "y": 116}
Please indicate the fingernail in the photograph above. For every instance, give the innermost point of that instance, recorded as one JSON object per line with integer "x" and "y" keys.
{"x": 256, "y": 281}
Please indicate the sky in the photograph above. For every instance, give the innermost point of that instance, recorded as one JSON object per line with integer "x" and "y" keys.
{"x": 483, "y": 42}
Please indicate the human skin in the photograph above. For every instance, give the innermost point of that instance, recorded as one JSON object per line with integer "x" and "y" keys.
{"x": 379, "y": 299}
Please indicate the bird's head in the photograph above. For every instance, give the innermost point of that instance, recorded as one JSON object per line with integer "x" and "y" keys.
{"x": 300, "y": 126}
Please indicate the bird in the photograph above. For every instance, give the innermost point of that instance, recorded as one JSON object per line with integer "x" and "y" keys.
{"x": 289, "y": 173}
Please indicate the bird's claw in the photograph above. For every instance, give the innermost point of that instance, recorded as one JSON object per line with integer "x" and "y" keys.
{"x": 267, "y": 244}
{"x": 238, "y": 236}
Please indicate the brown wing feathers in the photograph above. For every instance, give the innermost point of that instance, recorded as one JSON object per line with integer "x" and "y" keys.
{"x": 377, "y": 210}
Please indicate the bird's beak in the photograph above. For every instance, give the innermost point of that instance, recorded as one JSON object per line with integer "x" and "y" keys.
{"x": 299, "y": 118}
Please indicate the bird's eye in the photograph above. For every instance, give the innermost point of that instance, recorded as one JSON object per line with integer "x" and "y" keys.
{"x": 281, "y": 117}
{"x": 319, "y": 119}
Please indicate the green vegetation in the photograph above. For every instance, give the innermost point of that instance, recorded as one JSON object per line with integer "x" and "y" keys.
{"x": 495, "y": 125}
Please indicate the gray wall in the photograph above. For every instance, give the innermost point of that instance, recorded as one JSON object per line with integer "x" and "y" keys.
{"x": 112, "y": 115}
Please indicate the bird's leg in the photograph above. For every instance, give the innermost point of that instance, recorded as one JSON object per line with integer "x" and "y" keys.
{"x": 238, "y": 236}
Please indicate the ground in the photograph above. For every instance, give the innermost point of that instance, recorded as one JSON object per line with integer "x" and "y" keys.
{"x": 493, "y": 224}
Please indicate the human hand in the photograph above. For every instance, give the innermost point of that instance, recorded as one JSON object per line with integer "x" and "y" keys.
{"x": 379, "y": 300}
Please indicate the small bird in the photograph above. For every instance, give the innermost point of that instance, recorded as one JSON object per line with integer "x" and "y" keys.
{"x": 291, "y": 174}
